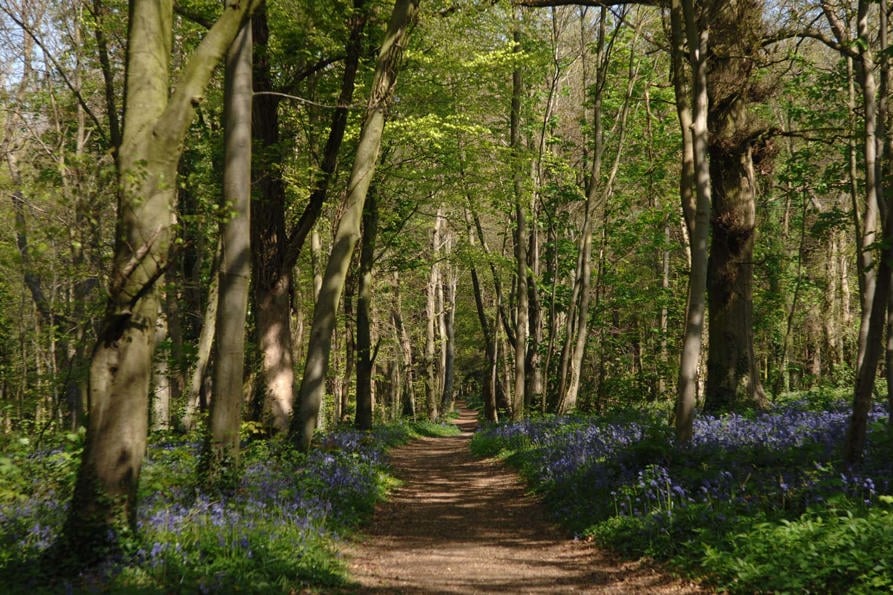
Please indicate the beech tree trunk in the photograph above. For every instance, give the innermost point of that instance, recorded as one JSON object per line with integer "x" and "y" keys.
{"x": 365, "y": 356}
{"x": 105, "y": 497}
{"x": 431, "y": 384}
{"x": 222, "y": 443}
{"x": 522, "y": 327}
{"x": 449, "y": 318}
{"x": 312, "y": 383}
{"x": 161, "y": 380}
{"x": 275, "y": 250}
{"x": 875, "y": 146}
{"x": 408, "y": 399}
{"x": 695, "y": 193}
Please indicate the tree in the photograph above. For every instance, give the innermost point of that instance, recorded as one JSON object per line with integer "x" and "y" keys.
{"x": 432, "y": 401}
{"x": 875, "y": 300}
{"x": 522, "y": 329}
{"x": 276, "y": 248}
{"x": 222, "y": 442}
{"x": 365, "y": 352}
{"x": 103, "y": 508}
{"x": 736, "y": 34}
{"x": 319, "y": 348}
{"x": 695, "y": 192}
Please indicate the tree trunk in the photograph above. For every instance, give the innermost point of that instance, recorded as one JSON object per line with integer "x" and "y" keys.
{"x": 276, "y": 252}
{"x": 522, "y": 327}
{"x": 875, "y": 145}
{"x": 408, "y": 397}
{"x": 885, "y": 157}
{"x": 694, "y": 190}
{"x": 196, "y": 401}
{"x": 365, "y": 356}
{"x": 733, "y": 376}
{"x": 350, "y": 335}
{"x": 488, "y": 330}
{"x": 533, "y": 374}
{"x": 271, "y": 281}
{"x": 161, "y": 380}
{"x": 221, "y": 459}
{"x": 104, "y": 503}
{"x": 449, "y": 372}
{"x": 318, "y": 351}
{"x": 431, "y": 385}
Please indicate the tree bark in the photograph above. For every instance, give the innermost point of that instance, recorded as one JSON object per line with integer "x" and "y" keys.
{"x": 431, "y": 384}
{"x": 222, "y": 442}
{"x": 522, "y": 327}
{"x": 365, "y": 357}
{"x": 408, "y": 395}
{"x": 733, "y": 375}
{"x": 161, "y": 380}
{"x": 449, "y": 316}
{"x": 310, "y": 395}
{"x": 488, "y": 330}
{"x": 271, "y": 283}
{"x": 276, "y": 251}
{"x": 874, "y": 147}
{"x": 694, "y": 182}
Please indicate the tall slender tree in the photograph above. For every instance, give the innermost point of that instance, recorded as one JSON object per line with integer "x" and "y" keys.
{"x": 319, "y": 348}
{"x": 222, "y": 443}
{"x": 695, "y": 191}
{"x": 365, "y": 352}
{"x": 522, "y": 328}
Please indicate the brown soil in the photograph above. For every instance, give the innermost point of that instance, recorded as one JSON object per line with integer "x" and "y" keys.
{"x": 464, "y": 525}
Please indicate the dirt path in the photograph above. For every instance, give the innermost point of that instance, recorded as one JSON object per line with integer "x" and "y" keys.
{"x": 463, "y": 525}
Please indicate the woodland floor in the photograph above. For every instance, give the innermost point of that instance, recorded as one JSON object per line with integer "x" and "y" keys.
{"x": 459, "y": 524}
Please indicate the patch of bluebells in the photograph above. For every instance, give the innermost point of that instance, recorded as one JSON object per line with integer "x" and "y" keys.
{"x": 565, "y": 445}
{"x": 782, "y": 460}
{"x": 311, "y": 496}
{"x": 299, "y": 500}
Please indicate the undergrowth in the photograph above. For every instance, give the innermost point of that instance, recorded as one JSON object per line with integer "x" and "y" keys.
{"x": 277, "y": 532}
{"x": 757, "y": 503}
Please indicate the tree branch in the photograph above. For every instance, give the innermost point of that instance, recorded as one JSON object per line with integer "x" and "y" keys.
{"x": 174, "y": 123}
{"x": 49, "y": 56}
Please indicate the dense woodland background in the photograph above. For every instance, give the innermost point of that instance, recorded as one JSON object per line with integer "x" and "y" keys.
{"x": 535, "y": 235}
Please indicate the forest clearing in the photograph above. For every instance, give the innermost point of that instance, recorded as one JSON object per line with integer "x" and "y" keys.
{"x": 256, "y": 253}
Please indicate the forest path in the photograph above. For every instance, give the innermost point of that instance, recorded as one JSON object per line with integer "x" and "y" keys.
{"x": 459, "y": 524}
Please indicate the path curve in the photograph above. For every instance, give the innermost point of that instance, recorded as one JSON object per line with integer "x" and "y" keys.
{"x": 464, "y": 525}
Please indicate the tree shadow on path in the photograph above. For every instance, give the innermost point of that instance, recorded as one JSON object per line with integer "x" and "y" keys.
{"x": 459, "y": 524}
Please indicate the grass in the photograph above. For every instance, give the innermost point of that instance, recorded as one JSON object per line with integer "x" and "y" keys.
{"x": 278, "y": 532}
{"x": 758, "y": 503}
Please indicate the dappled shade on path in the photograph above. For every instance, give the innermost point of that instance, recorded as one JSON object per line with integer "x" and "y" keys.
{"x": 463, "y": 525}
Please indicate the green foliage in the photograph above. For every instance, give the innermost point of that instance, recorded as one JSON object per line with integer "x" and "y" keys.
{"x": 275, "y": 532}
{"x": 761, "y": 505}
{"x": 825, "y": 546}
